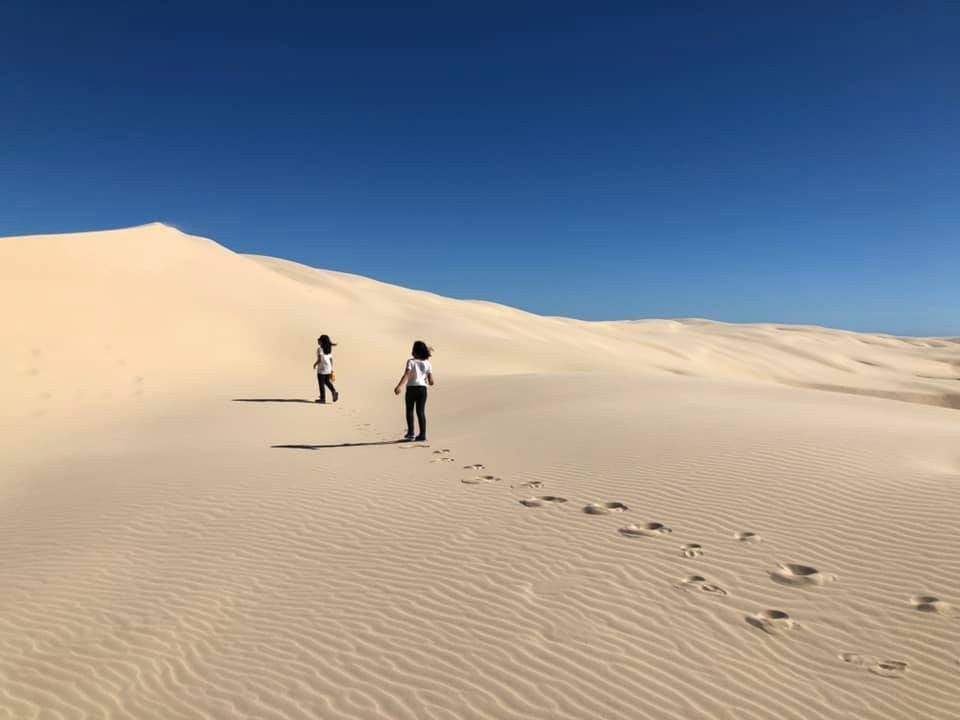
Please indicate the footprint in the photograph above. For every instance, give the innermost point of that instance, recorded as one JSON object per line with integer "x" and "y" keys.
{"x": 411, "y": 446}
{"x": 479, "y": 479}
{"x": 442, "y": 459}
{"x": 773, "y": 622}
{"x": 790, "y": 574}
{"x": 650, "y": 529}
{"x": 692, "y": 550}
{"x": 884, "y": 668}
{"x": 930, "y": 604}
{"x": 542, "y": 500}
{"x": 532, "y": 484}
{"x": 700, "y": 584}
{"x": 889, "y": 668}
{"x": 440, "y": 452}
{"x": 604, "y": 508}
{"x": 475, "y": 466}
{"x": 747, "y": 537}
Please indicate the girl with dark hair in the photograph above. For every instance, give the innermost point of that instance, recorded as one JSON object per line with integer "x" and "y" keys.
{"x": 417, "y": 375}
{"x": 324, "y": 368}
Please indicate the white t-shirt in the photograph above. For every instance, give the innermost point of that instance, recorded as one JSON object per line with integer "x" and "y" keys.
{"x": 419, "y": 370}
{"x": 325, "y": 367}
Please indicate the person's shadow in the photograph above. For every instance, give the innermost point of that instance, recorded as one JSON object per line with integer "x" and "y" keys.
{"x": 284, "y": 400}
{"x": 338, "y": 445}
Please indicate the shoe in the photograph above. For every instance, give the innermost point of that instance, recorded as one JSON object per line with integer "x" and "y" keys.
{"x": 336, "y": 396}
{"x": 420, "y": 438}
{"x": 408, "y": 437}
{"x": 320, "y": 402}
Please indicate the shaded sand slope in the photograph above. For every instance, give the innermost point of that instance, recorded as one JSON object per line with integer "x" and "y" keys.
{"x": 167, "y": 552}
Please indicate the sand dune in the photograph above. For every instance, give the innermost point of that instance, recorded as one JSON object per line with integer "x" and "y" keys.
{"x": 664, "y": 518}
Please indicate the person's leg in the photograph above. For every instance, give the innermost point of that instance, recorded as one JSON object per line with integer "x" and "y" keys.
{"x": 410, "y": 400}
{"x": 322, "y": 380}
{"x": 333, "y": 390}
{"x": 421, "y": 412}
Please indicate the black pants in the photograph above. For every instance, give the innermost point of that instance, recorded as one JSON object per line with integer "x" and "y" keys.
{"x": 324, "y": 382}
{"x": 416, "y": 397}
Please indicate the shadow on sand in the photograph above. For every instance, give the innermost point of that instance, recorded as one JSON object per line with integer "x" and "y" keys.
{"x": 338, "y": 445}
{"x": 299, "y": 400}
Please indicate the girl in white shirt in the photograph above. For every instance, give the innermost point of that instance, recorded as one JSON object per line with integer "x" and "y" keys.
{"x": 324, "y": 366}
{"x": 417, "y": 375}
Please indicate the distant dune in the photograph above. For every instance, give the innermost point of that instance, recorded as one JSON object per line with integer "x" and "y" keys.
{"x": 657, "y": 518}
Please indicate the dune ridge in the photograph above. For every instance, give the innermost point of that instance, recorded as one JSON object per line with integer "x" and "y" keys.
{"x": 207, "y": 542}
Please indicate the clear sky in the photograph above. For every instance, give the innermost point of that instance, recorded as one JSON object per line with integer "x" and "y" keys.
{"x": 741, "y": 161}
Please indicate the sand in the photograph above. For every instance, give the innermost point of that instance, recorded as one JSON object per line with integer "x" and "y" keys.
{"x": 656, "y": 519}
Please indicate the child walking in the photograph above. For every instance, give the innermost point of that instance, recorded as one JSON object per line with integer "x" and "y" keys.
{"x": 417, "y": 375}
{"x": 324, "y": 367}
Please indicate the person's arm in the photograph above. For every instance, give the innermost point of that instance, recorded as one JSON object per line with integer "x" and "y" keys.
{"x": 403, "y": 379}
{"x": 317, "y": 361}
{"x": 430, "y": 378}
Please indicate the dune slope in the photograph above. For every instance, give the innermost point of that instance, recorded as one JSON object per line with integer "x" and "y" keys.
{"x": 663, "y": 519}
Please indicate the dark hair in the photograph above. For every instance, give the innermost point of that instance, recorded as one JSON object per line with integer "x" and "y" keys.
{"x": 421, "y": 351}
{"x": 325, "y": 344}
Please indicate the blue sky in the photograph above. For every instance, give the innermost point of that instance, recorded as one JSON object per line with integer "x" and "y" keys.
{"x": 742, "y": 161}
